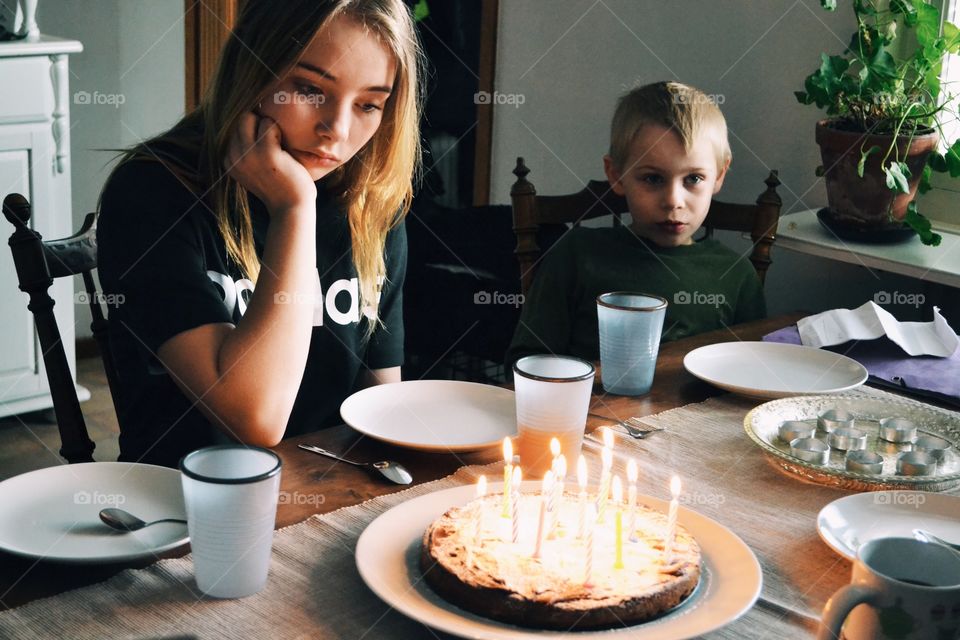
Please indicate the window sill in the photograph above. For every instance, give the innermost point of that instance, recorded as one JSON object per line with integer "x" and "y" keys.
{"x": 803, "y": 233}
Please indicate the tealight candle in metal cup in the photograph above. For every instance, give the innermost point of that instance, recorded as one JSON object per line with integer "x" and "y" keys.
{"x": 885, "y": 446}
{"x": 790, "y": 430}
{"x": 864, "y": 462}
{"x": 898, "y": 430}
{"x": 916, "y": 463}
{"x": 810, "y": 450}
{"x": 832, "y": 419}
{"x": 933, "y": 445}
{"x": 847, "y": 439}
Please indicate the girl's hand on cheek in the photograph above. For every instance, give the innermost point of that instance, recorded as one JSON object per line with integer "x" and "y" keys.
{"x": 256, "y": 160}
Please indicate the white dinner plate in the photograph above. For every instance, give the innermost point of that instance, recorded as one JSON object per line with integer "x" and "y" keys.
{"x": 848, "y": 522}
{"x": 433, "y": 415}
{"x": 774, "y": 370}
{"x": 388, "y": 553}
{"x": 53, "y": 513}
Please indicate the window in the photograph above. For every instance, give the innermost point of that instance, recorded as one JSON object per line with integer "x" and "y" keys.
{"x": 942, "y": 203}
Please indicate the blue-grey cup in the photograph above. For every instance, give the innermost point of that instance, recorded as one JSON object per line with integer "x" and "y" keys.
{"x": 630, "y": 326}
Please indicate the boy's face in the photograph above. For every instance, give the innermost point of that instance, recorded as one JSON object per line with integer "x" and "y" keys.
{"x": 668, "y": 189}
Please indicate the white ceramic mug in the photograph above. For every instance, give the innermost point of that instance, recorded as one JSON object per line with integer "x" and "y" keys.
{"x": 901, "y": 589}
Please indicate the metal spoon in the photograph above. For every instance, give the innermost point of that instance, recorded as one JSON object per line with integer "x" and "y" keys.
{"x": 125, "y": 521}
{"x": 926, "y": 536}
{"x": 392, "y": 471}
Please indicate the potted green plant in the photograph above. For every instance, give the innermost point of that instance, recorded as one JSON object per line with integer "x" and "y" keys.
{"x": 881, "y": 139}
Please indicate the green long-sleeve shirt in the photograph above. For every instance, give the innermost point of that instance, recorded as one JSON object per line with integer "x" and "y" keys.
{"x": 706, "y": 285}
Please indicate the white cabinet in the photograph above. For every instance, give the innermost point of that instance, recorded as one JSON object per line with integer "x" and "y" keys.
{"x": 34, "y": 161}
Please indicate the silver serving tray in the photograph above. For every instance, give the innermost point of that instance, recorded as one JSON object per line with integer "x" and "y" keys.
{"x": 761, "y": 425}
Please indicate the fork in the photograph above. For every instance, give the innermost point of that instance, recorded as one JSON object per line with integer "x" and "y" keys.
{"x": 633, "y": 426}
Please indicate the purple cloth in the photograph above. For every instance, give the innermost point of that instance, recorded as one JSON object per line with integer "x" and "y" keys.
{"x": 890, "y": 366}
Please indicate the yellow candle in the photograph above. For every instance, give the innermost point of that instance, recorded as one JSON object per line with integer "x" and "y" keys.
{"x": 582, "y": 481}
{"x": 507, "y": 473}
{"x": 618, "y": 500}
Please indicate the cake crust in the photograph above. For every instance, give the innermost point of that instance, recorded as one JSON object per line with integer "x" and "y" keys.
{"x": 499, "y": 580}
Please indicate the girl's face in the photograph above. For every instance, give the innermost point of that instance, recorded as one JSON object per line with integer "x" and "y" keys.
{"x": 331, "y": 103}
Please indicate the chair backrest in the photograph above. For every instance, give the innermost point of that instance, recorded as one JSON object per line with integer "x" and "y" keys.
{"x": 38, "y": 262}
{"x": 598, "y": 199}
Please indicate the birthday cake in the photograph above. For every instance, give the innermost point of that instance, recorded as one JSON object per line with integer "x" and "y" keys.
{"x": 554, "y": 576}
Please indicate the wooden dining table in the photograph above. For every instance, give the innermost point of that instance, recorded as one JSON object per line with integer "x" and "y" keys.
{"x": 312, "y": 484}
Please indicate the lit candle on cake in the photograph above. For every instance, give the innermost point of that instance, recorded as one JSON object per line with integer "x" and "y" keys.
{"x": 672, "y": 520}
{"x": 546, "y": 489}
{"x": 515, "y": 502}
{"x": 607, "y": 435}
{"x": 507, "y": 473}
{"x": 481, "y": 491}
{"x": 559, "y": 474}
{"x": 606, "y": 456}
{"x": 582, "y": 481}
{"x": 588, "y": 559}
{"x": 554, "y": 453}
{"x": 478, "y": 517}
{"x": 618, "y": 500}
{"x": 632, "y": 473}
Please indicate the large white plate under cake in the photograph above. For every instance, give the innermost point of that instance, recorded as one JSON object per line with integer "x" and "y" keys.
{"x": 774, "y": 370}
{"x": 433, "y": 415}
{"x": 388, "y": 554}
{"x": 53, "y": 513}
{"x": 849, "y": 522}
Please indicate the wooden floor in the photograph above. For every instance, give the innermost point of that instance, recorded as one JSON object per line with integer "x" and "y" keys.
{"x": 30, "y": 441}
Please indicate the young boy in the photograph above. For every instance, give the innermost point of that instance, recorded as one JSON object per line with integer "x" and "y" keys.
{"x": 668, "y": 156}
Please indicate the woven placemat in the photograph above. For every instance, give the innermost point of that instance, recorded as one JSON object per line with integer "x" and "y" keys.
{"x": 314, "y": 590}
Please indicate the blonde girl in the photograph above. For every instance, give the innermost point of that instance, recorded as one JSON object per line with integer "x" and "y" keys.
{"x": 259, "y": 243}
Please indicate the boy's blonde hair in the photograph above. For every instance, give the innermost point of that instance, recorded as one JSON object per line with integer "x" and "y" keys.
{"x": 374, "y": 186}
{"x": 684, "y": 109}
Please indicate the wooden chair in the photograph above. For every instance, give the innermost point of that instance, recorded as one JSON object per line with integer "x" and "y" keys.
{"x": 598, "y": 199}
{"x": 38, "y": 262}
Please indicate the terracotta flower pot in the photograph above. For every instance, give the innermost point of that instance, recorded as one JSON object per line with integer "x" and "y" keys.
{"x": 867, "y": 202}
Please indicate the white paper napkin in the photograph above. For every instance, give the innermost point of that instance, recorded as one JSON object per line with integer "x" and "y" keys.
{"x": 870, "y": 321}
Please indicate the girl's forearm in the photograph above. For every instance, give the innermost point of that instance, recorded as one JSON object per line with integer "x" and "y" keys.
{"x": 261, "y": 363}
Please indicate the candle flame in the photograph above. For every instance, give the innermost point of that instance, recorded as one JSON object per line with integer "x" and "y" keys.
{"x": 482, "y": 486}
{"x": 675, "y": 486}
{"x": 632, "y": 471}
{"x": 607, "y": 437}
{"x": 554, "y": 447}
{"x": 547, "y": 482}
{"x": 582, "y": 472}
{"x": 561, "y": 467}
{"x": 617, "y": 490}
{"x": 507, "y": 450}
{"x": 517, "y": 477}
{"x": 606, "y": 456}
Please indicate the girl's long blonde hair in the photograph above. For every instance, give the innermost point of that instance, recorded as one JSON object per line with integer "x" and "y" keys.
{"x": 375, "y": 186}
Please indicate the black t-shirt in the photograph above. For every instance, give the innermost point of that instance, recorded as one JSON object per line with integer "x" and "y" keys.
{"x": 161, "y": 254}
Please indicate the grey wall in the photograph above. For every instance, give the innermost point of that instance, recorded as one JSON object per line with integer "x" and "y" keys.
{"x": 569, "y": 63}
{"x": 572, "y": 61}
{"x": 133, "y": 58}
